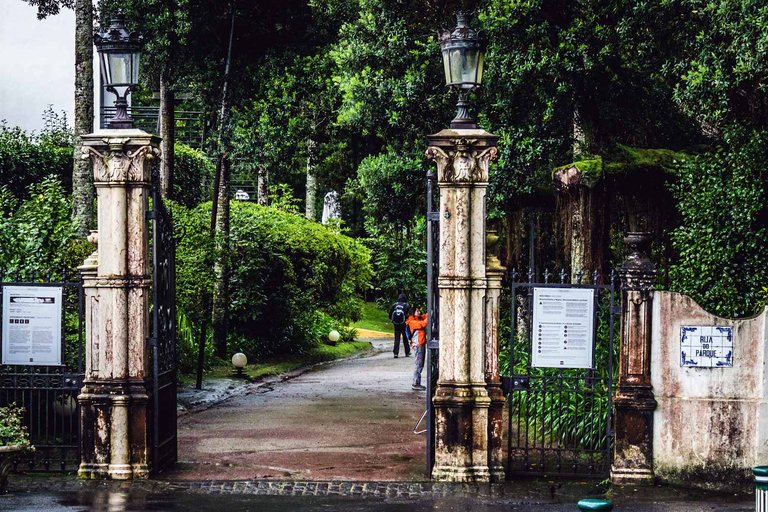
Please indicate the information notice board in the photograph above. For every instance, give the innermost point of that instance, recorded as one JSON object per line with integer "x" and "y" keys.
{"x": 563, "y": 327}
{"x": 31, "y": 333}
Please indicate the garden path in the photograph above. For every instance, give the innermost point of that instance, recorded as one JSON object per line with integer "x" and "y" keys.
{"x": 352, "y": 419}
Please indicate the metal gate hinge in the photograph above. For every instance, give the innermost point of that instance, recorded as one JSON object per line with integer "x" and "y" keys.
{"x": 433, "y": 216}
{"x": 152, "y": 341}
{"x": 515, "y": 383}
{"x": 150, "y": 215}
{"x": 616, "y": 310}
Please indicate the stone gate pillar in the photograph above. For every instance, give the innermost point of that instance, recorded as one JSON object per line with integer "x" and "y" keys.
{"x": 494, "y": 274}
{"x": 114, "y": 398}
{"x": 634, "y": 402}
{"x": 461, "y": 400}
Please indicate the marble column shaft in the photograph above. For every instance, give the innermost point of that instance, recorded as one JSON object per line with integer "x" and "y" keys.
{"x": 461, "y": 399}
{"x": 115, "y": 394}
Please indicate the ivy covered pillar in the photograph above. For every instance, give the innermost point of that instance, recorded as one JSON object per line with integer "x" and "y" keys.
{"x": 634, "y": 401}
{"x": 461, "y": 400}
{"x": 115, "y": 395}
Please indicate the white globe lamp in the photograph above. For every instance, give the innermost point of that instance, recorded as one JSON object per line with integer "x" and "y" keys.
{"x": 239, "y": 360}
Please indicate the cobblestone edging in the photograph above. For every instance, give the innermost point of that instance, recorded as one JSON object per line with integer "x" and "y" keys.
{"x": 343, "y": 488}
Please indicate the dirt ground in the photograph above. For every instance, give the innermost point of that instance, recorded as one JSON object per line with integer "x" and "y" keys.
{"x": 349, "y": 420}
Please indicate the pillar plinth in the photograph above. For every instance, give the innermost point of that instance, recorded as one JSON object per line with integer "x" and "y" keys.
{"x": 462, "y": 401}
{"x": 634, "y": 401}
{"x": 116, "y": 280}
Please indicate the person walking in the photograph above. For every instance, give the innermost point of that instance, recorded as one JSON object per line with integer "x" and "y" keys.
{"x": 398, "y": 315}
{"x": 418, "y": 325}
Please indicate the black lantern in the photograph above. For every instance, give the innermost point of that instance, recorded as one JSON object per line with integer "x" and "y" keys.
{"x": 463, "y": 59}
{"x": 119, "y": 52}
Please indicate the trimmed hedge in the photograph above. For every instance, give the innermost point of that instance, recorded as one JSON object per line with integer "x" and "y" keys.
{"x": 287, "y": 276}
{"x": 26, "y": 159}
{"x": 193, "y": 176}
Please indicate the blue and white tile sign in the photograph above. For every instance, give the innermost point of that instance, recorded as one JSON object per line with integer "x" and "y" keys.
{"x": 706, "y": 346}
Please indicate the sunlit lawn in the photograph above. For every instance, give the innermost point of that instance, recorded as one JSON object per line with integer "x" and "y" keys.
{"x": 374, "y": 319}
{"x": 277, "y": 366}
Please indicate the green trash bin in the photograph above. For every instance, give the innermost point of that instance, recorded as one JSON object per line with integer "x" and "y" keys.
{"x": 593, "y": 504}
{"x": 761, "y": 488}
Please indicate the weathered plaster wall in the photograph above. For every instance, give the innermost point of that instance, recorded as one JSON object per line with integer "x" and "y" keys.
{"x": 710, "y": 423}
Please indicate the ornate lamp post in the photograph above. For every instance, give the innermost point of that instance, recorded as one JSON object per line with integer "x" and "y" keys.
{"x": 117, "y": 397}
{"x": 463, "y": 60}
{"x": 468, "y": 400}
{"x": 119, "y": 52}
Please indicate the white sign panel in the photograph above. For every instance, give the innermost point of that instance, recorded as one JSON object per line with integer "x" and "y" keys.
{"x": 563, "y": 327}
{"x": 31, "y": 333}
{"x": 706, "y": 346}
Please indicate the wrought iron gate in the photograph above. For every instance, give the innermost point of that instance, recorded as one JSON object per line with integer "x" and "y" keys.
{"x": 163, "y": 339}
{"x": 560, "y": 419}
{"x": 48, "y": 394}
{"x": 433, "y": 310}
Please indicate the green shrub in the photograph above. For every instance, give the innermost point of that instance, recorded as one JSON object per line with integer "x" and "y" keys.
{"x": 192, "y": 176}
{"x": 286, "y": 275}
{"x": 37, "y": 241}
{"x": 348, "y": 334}
{"x": 12, "y": 429}
{"x": 723, "y": 258}
{"x": 27, "y": 158}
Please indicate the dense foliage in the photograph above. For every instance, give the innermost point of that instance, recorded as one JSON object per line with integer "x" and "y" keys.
{"x": 193, "y": 176}
{"x": 12, "y": 429}
{"x": 288, "y": 277}
{"x": 27, "y": 158}
{"x": 37, "y": 240}
{"x": 722, "y": 198}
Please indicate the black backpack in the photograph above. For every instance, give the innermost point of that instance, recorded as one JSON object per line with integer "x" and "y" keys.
{"x": 398, "y": 314}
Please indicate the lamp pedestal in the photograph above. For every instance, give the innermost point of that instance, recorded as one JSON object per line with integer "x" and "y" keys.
{"x": 462, "y": 400}
{"x": 115, "y": 440}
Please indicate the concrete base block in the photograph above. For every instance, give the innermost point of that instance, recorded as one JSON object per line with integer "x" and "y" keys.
{"x": 631, "y": 476}
{"x": 477, "y": 474}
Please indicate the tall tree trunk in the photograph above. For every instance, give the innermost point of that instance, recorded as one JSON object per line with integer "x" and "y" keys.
{"x": 262, "y": 186}
{"x": 221, "y": 267}
{"x": 82, "y": 173}
{"x": 168, "y": 133}
{"x": 311, "y": 180}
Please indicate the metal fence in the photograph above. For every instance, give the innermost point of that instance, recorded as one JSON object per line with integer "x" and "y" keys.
{"x": 190, "y": 124}
{"x": 48, "y": 394}
{"x": 560, "y": 419}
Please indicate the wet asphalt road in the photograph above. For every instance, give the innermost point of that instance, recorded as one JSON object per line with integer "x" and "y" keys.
{"x": 117, "y": 501}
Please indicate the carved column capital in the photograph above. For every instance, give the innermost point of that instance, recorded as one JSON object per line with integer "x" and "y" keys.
{"x": 121, "y": 156}
{"x": 462, "y": 156}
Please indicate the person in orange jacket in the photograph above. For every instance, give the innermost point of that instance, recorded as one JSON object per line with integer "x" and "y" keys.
{"x": 417, "y": 323}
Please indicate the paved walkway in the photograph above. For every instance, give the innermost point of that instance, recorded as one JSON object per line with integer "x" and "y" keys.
{"x": 349, "y": 420}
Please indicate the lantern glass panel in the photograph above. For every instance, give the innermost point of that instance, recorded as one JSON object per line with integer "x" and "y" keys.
{"x": 121, "y": 69}
{"x": 469, "y": 66}
{"x": 106, "y": 72}
{"x": 480, "y": 67}
{"x": 447, "y": 66}
{"x": 135, "y": 67}
{"x": 456, "y": 61}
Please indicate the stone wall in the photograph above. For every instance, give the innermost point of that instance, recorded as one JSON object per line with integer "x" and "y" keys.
{"x": 711, "y": 424}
